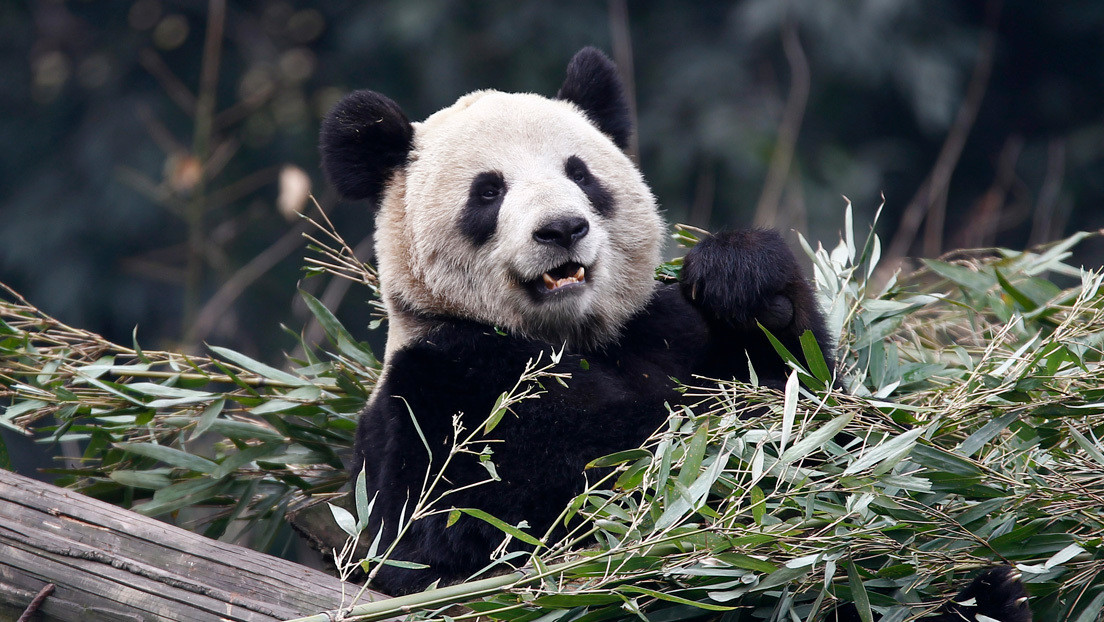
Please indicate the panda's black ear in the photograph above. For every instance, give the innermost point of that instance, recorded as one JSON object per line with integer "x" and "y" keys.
{"x": 363, "y": 139}
{"x": 594, "y": 84}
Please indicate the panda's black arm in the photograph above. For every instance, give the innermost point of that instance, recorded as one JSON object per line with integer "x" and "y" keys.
{"x": 741, "y": 279}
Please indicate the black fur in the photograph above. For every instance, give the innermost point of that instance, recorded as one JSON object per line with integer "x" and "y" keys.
{"x": 600, "y": 198}
{"x": 594, "y": 85}
{"x": 996, "y": 593}
{"x": 363, "y": 139}
{"x": 613, "y": 402}
{"x": 480, "y": 217}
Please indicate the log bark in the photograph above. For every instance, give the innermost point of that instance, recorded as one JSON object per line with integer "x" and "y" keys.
{"x": 110, "y": 564}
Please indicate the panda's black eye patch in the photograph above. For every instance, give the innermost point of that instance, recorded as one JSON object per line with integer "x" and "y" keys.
{"x": 488, "y": 187}
{"x": 479, "y": 219}
{"x": 578, "y": 172}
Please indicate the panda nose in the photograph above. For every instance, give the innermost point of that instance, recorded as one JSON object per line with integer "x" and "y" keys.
{"x": 564, "y": 232}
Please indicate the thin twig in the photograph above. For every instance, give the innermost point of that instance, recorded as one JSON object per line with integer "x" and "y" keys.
{"x": 623, "y": 56}
{"x": 218, "y": 305}
{"x": 36, "y": 603}
{"x": 1046, "y": 224}
{"x": 180, "y": 94}
{"x": 939, "y": 179}
{"x": 766, "y": 212}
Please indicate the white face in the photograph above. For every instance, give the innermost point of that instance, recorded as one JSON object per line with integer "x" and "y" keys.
{"x": 516, "y": 211}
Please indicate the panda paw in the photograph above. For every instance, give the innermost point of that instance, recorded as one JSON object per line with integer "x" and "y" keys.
{"x": 741, "y": 277}
{"x": 997, "y": 594}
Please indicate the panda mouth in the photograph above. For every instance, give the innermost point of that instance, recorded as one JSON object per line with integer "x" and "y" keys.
{"x": 567, "y": 277}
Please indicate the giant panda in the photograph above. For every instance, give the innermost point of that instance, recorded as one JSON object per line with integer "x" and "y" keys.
{"x": 511, "y": 227}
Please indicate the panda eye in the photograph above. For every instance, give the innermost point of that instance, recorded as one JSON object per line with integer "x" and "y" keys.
{"x": 487, "y": 188}
{"x": 577, "y": 171}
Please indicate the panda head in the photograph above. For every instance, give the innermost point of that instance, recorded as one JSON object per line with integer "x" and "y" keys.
{"x": 514, "y": 210}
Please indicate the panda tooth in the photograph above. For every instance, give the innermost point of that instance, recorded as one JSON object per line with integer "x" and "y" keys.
{"x": 549, "y": 282}
{"x": 580, "y": 275}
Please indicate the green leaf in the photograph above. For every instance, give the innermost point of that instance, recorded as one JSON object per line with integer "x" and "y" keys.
{"x": 1025, "y": 303}
{"x": 207, "y": 417}
{"x": 694, "y": 496}
{"x": 781, "y": 576}
{"x": 978, "y": 439}
{"x": 858, "y": 593}
{"x": 789, "y": 410}
{"x": 1092, "y": 449}
{"x": 344, "y": 520}
{"x": 360, "y": 495}
{"x": 238, "y": 459}
{"x": 170, "y": 455}
{"x": 150, "y": 480}
{"x": 497, "y": 412}
{"x": 816, "y": 439}
{"x": 243, "y": 430}
{"x": 747, "y": 562}
{"x": 783, "y": 351}
{"x": 98, "y": 368}
{"x": 976, "y": 282}
{"x": 758, "y": 504}
{"x": 501, "y": 525}
{"x": 636, "y": 589}
{"x": 417, "y": 428}
{"x": 695, "y": 453}
{"x": 258, "y": 367}
{"x": 892, "y": 450}
{"x": 180, "y": 495}
{"x": 398, "y": 563}
{"x": 618, "y": 458}
{"x": 1090, "y": 611}
{"x": 814, "y": 357}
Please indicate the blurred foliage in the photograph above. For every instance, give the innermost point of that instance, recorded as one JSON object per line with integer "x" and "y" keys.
{"x": 124, "y": 203}
{"x": 965, "y": 433}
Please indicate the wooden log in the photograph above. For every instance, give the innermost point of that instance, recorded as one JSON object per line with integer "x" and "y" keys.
{"x": 110, "y": 564}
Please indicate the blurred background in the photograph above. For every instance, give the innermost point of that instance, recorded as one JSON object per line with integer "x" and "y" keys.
{"x": 155, "y": 153}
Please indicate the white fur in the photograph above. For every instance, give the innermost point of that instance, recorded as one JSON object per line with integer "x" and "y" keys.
{"x": 427, "y": 267}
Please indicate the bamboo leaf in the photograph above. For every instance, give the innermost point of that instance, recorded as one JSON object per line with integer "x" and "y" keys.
{"x": 258, "y": 367}
{"x": 501, "y": 525}
{"x": 344, "y": 520}
{"x": 170, "y": 455}
{"x": 789, "y": 410}
{"x": 636, "y": 589}
{"x": 891, "y": 450}
{"x": 814, "y": 357}
{"x": 207, "y": 417}
{"x": 816, "y": 439}
{"x": 858, "y": 593}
